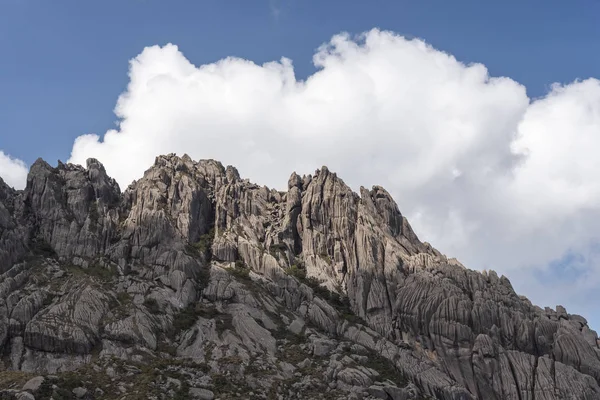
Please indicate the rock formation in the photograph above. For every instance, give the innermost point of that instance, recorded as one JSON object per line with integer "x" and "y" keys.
{"x": 195, "y": 283}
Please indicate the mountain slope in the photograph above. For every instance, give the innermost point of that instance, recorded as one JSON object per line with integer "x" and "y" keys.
{"x": 194, "y": 282}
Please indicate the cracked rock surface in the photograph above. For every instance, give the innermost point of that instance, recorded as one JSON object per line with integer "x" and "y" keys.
{"x": 196, "y": 283}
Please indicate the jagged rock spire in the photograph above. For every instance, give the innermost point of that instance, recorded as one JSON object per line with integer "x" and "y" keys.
{"x": 191, "y": 235}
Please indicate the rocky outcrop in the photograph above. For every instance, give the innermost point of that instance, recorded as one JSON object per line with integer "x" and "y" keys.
{"x": 71, "y": 210}
{"x": 195, "y": 282}
{"x": 13, "y": 236}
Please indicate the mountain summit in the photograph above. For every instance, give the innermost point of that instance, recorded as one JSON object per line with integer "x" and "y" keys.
{"x": 195, "y": 283}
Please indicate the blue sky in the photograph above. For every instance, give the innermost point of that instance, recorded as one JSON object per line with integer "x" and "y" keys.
{"x": 65, "y": 63}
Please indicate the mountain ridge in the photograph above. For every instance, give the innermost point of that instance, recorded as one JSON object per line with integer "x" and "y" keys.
{"x": 192, "y": 259}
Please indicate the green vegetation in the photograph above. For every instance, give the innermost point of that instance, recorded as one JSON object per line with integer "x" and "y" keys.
{"x": 183, "y": 392}
{"x": 48, "y": 298}
{"x": 228, "y": 387}
{"x": 101, "y": 272}
{"x": 61, "y": 387}
{"x": 163, "y": 347}
{"x": 185, "y": 319}
{"x": 386, "y": 369}
{"x": 204, "y": 244}
{"x": 115, "y": 238}
{"x": 123, "y": 297}
{"x": 119, "y": 305}
{"x": 93, "y": 213}
{"x": 222, "y": 384}
{"x": 340, "y": 301}
{"x": 143, "y": 384}
{"x": 203, "y": 276}
{"x": 325, "y": 257}
{"x": 296, "y": 271}
{"x": 277, "y": 249}
{"x": 240, "y": 271}
{"x": 282, "y": 333}
{"x": 42, "y": 248}
{"x": 95, "y": 270}
{"x": 224, "y": 322}
{"x": 152, "y": 305}
{"x": 13, "y": 379}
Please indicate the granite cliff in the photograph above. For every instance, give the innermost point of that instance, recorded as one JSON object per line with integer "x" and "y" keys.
{"x": 195, "y": 283}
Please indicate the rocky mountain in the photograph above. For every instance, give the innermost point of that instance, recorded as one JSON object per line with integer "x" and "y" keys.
{"x": 195, "y": 283}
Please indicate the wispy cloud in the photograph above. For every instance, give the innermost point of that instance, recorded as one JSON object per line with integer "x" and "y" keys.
{"x": 13, "y": 171}
{"x": 275, "y": 7}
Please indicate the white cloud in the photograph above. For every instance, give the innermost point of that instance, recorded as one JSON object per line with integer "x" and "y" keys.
{"x": 483, "y": 172}
{"x": 13, "y": 171}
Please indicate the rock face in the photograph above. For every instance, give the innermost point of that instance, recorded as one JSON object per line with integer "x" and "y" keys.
{"x": 195, "y": 283}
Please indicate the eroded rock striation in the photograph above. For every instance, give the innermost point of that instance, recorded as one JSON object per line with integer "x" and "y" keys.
{"x": 196, "y": 283}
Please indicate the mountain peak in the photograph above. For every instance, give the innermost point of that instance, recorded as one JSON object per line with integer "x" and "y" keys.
{"x": 318, "y": 291}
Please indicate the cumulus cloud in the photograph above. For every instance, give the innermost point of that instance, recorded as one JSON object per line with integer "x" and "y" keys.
{"x": 483, "y": 172}
{"x": 13, "y": 171}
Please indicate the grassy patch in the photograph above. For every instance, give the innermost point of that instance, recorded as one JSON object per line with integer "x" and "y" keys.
{"x": 141, "y": 386}
{"x": 282, "y": 333}
{"x": 297, "y": 271}
{"x": 101, "y": 272}
{"x": 97, "y": 271}
{"x": 61, "y": 386}
{"x": 13, "y": 379}
{"x": 228, "y": 387}
{"x": 240, "y": 271}
{"x": 185, "y": 319}
{"x": 386, "y": 369}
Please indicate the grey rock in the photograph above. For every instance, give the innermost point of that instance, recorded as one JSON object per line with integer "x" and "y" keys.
{"x": 378, "y": 392}
{"x": 322, "y": 347}
{"x": 80, "y": 392}
{"x": 16, "y": 352}
{"x": 355, "y": 377}
{"x": 297, "y": 326}
{"x": 202, "y": 394}
{"x": 304, "y": 363}
{"x": 396, "y": 393}
{"x": 34, "y": 384}
{"x": 192, "y": 261}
